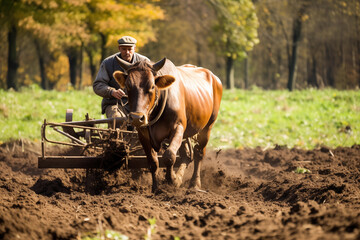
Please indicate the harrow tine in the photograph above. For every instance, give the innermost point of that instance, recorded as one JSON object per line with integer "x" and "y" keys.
{"x": 69, "y": 136}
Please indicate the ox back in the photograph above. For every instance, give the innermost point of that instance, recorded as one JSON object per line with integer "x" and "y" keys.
{"x": 197, "y": 92}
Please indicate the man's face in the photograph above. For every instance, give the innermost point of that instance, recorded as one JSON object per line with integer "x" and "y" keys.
{"x": 127, "y": 52}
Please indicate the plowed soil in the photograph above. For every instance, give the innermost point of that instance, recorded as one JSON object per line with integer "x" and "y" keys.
{"x": 248, "y": 194}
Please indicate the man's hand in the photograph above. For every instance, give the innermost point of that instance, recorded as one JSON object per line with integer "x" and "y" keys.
{"x": 118, "y": 93}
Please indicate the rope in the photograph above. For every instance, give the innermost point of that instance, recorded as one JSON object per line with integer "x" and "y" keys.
{"x": 152, "y": 122}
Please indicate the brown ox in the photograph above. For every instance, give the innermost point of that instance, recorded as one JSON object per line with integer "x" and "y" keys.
{"x": 190, "y": 99}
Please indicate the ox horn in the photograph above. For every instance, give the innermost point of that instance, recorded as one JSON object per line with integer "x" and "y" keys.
{"x": 157, "y": 66}
{"x": 124, "y": 64}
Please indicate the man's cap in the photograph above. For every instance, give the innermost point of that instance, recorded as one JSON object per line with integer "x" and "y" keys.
{"x": 127, "y": 41}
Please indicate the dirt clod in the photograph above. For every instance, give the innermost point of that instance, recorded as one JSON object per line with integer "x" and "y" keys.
{"x": 249, "y": 194}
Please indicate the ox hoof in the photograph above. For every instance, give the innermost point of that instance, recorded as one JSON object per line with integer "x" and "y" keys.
{"x": 174, "y": 181}
{"x": 178, "y": 182}
{"x": 154, "y": 188}
{"x": 196, "y": 188}
{"x": 158, "y": 191}
{"x": 194, "y": 184}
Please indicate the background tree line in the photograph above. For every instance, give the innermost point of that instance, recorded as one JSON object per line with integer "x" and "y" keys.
{"x": 273, "y": 44}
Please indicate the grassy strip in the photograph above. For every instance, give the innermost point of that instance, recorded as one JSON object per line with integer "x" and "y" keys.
{"x": 22, "y": 113}
{"x": 305, "y": 119}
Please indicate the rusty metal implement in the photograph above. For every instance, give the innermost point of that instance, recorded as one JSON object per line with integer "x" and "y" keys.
{"x": 109, "y": 144}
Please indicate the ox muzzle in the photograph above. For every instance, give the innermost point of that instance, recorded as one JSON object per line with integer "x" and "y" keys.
{"x": 138, "y": 119}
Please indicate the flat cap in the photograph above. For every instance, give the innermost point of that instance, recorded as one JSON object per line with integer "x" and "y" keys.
{"x": 127, "y": 41}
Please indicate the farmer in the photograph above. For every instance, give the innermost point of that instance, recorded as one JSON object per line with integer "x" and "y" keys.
{"x": 106, "y": 86}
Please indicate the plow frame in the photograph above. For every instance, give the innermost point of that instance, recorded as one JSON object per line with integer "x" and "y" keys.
{"x": 97, "y": 147}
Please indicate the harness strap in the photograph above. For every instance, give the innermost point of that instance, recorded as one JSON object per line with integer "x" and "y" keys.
{"x": 152, "y": 122}
{"x": 121, "y": 107}
{"x": 156, "y": 102}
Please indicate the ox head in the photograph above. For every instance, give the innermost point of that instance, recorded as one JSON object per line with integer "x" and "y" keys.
{"x": 142, "y": 86}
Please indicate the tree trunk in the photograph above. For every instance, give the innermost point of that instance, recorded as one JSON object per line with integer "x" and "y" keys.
{"x": 292, "y": 69}
{"x": 270, "y": 75}
{"x": 72, "y": 56}
{"x": 103, "y": 48}
{"x": 296, "y": 38}
{"x": 81, "y": 65}
{"x": 329, "y": 59}
{"x": 92, "y": 65}
{"x": 246, "y": 73}
{"x": 358, "y": 62}
{"x": 198, "y": 53}
{"x": 13, "y": 63}
{"x": 230, "y": 82}
{"x": 312, "y": 80}
{"x": 358, "y": 47}
{"x": 44, "y": 81}
{"x": 278, "y": 64}
{"x": 308, "y": 71}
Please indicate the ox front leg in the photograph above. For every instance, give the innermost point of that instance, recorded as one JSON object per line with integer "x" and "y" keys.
{"x": 169, "y": 157}
{"x": 199, "y": 153}
{"x": 186, "y": 157}
{"x": 153, "y": 162}
{"x": 154, "y": 169}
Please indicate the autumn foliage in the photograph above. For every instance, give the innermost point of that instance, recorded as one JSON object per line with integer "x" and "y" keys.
{"x": 59, "y": 44}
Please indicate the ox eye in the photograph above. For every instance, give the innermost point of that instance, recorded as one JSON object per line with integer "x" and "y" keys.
{"x": 152, "y": 88}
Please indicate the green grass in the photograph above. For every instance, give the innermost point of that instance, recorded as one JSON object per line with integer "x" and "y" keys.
{"x": 301, "y": 170}
{"x": 22, "y": 113}
{"x": 305, "y": 119}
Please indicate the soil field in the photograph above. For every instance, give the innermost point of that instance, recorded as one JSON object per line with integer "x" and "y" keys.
{"x": 248, "y": 194}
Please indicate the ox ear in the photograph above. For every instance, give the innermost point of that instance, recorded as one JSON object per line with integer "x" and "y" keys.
{"x": 120, "y": 77}
{"x": 165, "y": 81}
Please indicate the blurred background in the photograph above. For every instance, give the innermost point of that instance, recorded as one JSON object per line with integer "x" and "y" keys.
{"x": 270, "y": 44}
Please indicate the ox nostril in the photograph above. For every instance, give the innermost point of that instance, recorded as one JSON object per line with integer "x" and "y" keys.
{"x": 137, "y": 118}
